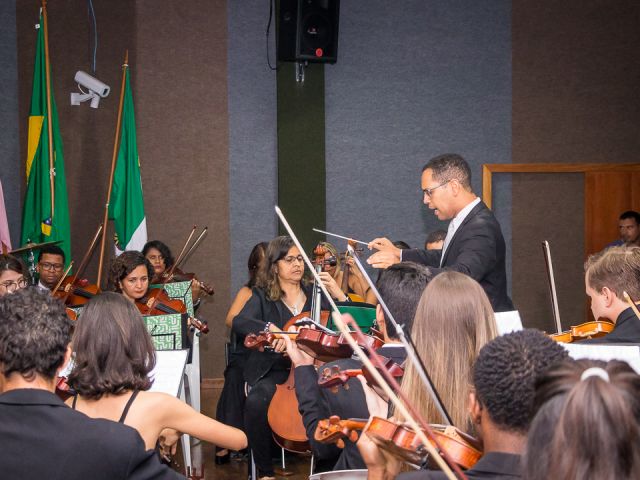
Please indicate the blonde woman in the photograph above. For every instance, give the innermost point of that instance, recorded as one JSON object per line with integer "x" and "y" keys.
{"x": 453, "y": 321}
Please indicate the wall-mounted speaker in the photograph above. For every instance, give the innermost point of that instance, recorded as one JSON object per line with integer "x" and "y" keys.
{"x": 308, "y": 30}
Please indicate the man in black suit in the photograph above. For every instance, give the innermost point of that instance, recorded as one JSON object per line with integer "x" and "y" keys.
{"x": 474, "y": 244}
{"x": 501, "y": 407}
{"x": 40, "y": 437}
{"x": 608, "y": 275}
{"x": 400, "y": 287}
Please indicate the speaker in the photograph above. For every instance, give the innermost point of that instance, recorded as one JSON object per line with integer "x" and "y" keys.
{"x": 308, "y": 30}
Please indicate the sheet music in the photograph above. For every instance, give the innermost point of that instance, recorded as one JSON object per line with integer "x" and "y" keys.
{"x": 169, "y": 370}
{"x": 508, "y": 322}
{"x": 626, "y": 353}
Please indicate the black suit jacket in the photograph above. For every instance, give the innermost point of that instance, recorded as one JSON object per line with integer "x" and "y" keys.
{"x": 478, "y": 250}
{"x": 492, "y": 465}
{"x": 315, "y": 403}
{"x": 626, "y": 330}
{"x": 42, "y": 438}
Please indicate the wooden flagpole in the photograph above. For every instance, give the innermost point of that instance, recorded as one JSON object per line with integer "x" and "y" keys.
{"x": 49, "y": 113}
{"x": 116, "y": 143}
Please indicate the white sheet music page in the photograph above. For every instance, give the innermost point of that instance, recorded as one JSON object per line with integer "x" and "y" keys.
{"x": 508, "y": 322}
{"x": 168, "y": 373}
{"x": 625, "y": 353}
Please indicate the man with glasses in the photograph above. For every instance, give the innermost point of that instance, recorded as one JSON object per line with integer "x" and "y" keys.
{"x": 50, "y": 267}
{"x": 474, "y": 244}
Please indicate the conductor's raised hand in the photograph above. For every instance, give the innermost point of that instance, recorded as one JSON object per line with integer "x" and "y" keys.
{"x": 387, "y": 254}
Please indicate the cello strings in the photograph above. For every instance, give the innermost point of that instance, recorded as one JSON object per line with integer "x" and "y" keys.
{"x": 337, "y": 318}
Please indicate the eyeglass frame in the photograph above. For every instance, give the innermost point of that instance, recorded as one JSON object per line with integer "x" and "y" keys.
{"x": 289, "y": 259}
{"x": 429, "y": 191}
{"x": 48, "y": 266}
{"x": 6, "y": 285}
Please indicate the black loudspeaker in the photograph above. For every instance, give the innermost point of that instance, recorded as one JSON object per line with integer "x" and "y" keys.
{"x": 308, "y": 30}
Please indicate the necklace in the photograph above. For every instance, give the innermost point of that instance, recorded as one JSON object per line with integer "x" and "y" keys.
{"x": 296, "y": 307}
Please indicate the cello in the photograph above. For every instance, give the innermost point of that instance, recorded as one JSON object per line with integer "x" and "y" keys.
{"x": 283, "y": 415}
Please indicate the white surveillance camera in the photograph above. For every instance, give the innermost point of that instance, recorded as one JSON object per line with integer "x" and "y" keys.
{"x": 96, "y": 89}
{"x": 92, "y": 83}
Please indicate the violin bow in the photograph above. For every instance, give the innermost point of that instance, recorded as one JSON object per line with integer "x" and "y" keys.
{"x": 632, "y": 304}
{"x": 409, "y": 413}
{"x": 193, "y": 247}
{"x": 546, "y": 250}
{"x": 64, "y": 275}
{"x": 340, "y": 236}
{"x": 83, "y": 264}
{"x": 407, "y": 342}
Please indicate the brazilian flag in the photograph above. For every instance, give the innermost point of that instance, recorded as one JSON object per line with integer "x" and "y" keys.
{"x": 42, "y": 221}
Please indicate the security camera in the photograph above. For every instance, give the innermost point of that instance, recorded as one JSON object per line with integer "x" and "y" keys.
{"x": 96, "y": 88}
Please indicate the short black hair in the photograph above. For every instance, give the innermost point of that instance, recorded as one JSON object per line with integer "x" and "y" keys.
{"x": 401, "y": 286}
{"x": 448, "y": 167}
{"x": 436, "y": 236}
{"x": 630, "y": 214}
{"x": 401, "y": 245}
{"x": 506, "y": 372}
{"x": 52, "y": 250}
{"x": 34, "y": 333}
{"x": 164, "y": 250}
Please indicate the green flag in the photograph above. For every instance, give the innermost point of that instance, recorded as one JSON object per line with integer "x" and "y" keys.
{"x": 41, "y": 223}
{"x": 126, "y": 207}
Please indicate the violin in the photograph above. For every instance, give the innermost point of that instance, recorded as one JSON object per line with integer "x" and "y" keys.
{"x": 400, "y": 440}
{"x": 158, "y": 302}
{"x": 76, "y": 292}
{"x": 180, "y": 276}
{"x": 316, "y": 343}
{"x": 593, "y": 329}
{"x": 333, "y": 377}
{"x": 63, "y": 390}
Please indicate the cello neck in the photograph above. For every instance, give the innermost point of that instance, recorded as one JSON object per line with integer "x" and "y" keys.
{"x": 546, "y": 250}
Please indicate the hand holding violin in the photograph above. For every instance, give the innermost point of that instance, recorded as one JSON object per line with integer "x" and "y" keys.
{"x": 381, "y": 464}
{"x": 297, "y": 356}
{"x": 388, "y": 254}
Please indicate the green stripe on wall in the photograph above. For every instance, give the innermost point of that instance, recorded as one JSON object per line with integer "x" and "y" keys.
{"x": 301, "y": 152}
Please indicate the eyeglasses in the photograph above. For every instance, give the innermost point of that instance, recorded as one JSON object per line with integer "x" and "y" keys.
{"x": 291, "y": 258}
{"x": 11, "y": 286}
{"x": 429, "y": 191}
{"x": 51, "y": 266}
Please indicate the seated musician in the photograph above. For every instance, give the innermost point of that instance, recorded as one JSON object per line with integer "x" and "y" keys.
{"x": 586, "y": 426}
{"x": 230, "y": 407}
{"x": 500, "y": 405}
{"x": 12, "y": 272}
{"x": 159, "y": 254}
{"x": 356, "y": 282}
{"x": 280, "y": 294}
{"x": 400, "y": 287}
{"x": 50, "y": 266}
{"x": 113, "y": 357}
{"x": 608, "y": 275}
{"x": 41, "y": 437}
{"x": 129, "y": 274}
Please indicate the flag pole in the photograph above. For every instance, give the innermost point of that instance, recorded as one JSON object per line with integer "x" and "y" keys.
{"x": 116, "y": 142}
{"x": 49, "y": 113}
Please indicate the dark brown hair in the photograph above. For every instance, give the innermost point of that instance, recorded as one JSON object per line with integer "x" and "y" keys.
{"x": 585, "y": 428}
{"x": 113, "y": 350}
{"x": 123, "y": 265}
{"x": 9, "y": 262}
{"x": 256, "y": 258}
